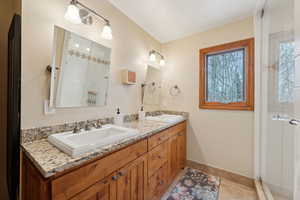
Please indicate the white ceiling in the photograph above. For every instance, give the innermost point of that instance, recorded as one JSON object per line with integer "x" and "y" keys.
{"x": 168, "y": 20}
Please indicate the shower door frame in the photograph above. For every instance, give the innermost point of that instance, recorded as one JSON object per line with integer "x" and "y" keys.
{"x": 261, "y": 88}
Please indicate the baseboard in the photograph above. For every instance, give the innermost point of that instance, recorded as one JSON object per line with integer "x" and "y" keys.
{"x": 249, "y": 182}
{"x": 259, "y": 190}
{"x": 267, "y": 191}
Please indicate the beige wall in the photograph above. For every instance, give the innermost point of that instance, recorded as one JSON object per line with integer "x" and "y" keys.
{"x": 223, "y": 139}
{"x": 130, "y": 48}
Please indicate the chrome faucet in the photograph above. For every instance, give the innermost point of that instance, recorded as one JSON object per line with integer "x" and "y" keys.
{"x": 76, "y": 128}
{"x": 88, "y": 126}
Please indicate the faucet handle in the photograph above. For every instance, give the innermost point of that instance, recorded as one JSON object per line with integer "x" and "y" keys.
{"x": 97, "y": 124}
{"x": 76, "y": 128}
{"x": 88, "y": 125}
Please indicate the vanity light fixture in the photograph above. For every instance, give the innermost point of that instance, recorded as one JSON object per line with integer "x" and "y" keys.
{"x": 152, "y": 57}
{"x": 73, "y": 15}
{"x": 106, "y": 31}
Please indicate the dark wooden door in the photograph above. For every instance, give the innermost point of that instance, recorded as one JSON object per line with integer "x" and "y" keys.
{"x": 102, "y": 190}
{"x": 132, "y": 181}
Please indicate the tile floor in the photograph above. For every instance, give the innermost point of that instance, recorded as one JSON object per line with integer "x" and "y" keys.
{"x": 233, "y": 191}
{"x": 279, "y": 197}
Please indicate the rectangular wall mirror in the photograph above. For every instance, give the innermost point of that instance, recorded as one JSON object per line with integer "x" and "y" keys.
{"x": 152, "y": 89}
{"x": 79, "y": 71}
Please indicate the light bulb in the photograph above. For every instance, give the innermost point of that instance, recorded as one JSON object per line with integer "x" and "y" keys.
{"x": 162, "y": 62}
{"x": 107, "y": 32}
{"x": 152, "y": 57}
{"x": 72, "y": 14}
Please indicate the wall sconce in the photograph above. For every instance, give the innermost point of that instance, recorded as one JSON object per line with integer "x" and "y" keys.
{"x": 152, "y": 57}
{"x": 78, "y": 16}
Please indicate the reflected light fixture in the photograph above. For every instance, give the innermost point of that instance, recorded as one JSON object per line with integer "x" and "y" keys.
{"x": 73, "y": 15}
{"x": 152, "y": 57}
{"x": 162, "y": 61}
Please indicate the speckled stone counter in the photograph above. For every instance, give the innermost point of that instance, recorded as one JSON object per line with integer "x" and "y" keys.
{"x": 50, "y": 160}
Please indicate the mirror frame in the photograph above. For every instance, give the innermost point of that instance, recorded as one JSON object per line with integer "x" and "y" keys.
{"x": 53, "y": 69}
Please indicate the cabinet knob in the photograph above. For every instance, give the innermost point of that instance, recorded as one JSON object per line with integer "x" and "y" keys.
{"x": 114, "y": 178}
{"x": 120, "y": 174}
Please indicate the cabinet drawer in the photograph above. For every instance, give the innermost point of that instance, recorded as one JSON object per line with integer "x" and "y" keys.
{"x": 105, "y": 189}
{"x": 158, "y": 183}
{"x": 157, "y": 157}
{"x": 158, "y": 138}
{"x": 176, "y": 129}
{"x": 76, "y": 181}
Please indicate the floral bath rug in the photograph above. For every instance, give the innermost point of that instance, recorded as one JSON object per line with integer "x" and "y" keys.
{"x": 195, "y": 185}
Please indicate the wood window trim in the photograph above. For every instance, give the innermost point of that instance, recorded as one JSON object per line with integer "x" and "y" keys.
{"x": 248, "y": 44}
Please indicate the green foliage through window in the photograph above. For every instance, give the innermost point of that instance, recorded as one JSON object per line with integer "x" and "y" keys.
{"x": 225, "y": 77}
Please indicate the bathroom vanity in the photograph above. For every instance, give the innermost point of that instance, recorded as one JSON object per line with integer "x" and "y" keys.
{"x": 107, "y": 162}
{"x": 141, "y": 169}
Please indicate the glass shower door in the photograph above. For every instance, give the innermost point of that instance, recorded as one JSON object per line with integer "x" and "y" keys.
{"x": 297, "y": 98}
{"x": 278, "y": 108}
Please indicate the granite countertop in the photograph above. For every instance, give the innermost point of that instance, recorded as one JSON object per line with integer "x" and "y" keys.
{"x": 50, "y": 160}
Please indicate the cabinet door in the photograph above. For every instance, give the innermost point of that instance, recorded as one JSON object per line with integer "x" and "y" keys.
{"x": 132, "y": 181}
{"x": 173, "y": 157}
{"x": 102, "y": 190}
{"x": 158, "y": 183}
{"x": 181, "y": 142}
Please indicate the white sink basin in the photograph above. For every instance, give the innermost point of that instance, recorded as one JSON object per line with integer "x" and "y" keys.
{"x": 166, "y": 118}
{"x": 76, "y": 144}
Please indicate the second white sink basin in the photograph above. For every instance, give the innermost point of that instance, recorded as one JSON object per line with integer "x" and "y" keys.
{"x": 166, "y": 118}
{"x": 76, "y": 144}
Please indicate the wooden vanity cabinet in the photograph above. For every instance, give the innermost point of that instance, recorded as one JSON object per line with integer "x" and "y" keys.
{"x": 177, "y": 153}
{"x": 181, "y": 152}
{"x": 128, "y": 183}
{"x": 140, "y": 171}
{"x": 102, "y": 190}
{"x": 158, "y": 183}
{"x": 166, "y": 159}
{"x": 173, "y": 167}
{"x": 132, "y": 180}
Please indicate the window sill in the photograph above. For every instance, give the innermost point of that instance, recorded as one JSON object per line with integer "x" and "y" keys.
{"x": 219, "y": 106}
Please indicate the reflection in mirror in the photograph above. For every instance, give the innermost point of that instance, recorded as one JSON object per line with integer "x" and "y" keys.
{"x": 152, "y": 89}
{"x": 80, "y": 71}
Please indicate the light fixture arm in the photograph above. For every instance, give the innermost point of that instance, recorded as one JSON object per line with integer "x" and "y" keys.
{"x": 75, "y": 2}
{"x": 156, "y": 52}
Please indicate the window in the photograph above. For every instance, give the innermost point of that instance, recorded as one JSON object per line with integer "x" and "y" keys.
{"x": 226, "y": 76}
